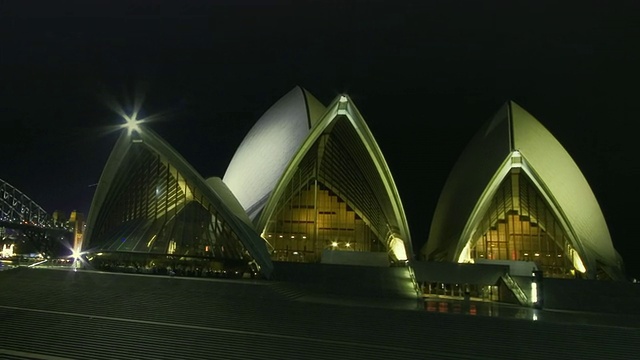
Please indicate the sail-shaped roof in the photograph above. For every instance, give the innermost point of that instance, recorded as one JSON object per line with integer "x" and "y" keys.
{"x": 267, "y": 149}
{"x": 149, "y": 200}
{"x": 341, "y": 155}
{"x": 513, "y": 138}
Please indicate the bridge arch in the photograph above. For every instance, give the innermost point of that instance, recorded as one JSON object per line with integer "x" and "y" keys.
{"x": 18, "y": 208}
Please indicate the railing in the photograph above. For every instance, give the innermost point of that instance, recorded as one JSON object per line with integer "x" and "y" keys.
{"x": 516, "y": 290}
{"x": 414, "y": 281}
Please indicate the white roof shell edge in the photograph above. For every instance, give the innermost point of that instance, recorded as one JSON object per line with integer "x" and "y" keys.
{"x": 224, "y": 202}
{"x": 483, "y": 164}
{"x": 401, "y": 247}
{"x": 267, "y": 149}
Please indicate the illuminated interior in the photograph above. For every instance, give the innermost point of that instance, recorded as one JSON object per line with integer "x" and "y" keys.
{"x": 7, "y": 251}
{"x": 335, "y": 199}
{"x": 545, "y": 211}
{"x": 313, "y": 220}
{"x": 155, "y": 210}
{"x": 519, "y": 225}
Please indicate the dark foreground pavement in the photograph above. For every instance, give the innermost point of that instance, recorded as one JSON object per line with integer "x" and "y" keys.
{"x": 62, "y": 314}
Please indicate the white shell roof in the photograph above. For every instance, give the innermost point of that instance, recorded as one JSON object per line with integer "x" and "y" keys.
{"x": 265, "y": 152}
{"x": 481, "y": 165}
{"x": 565, "y": 182}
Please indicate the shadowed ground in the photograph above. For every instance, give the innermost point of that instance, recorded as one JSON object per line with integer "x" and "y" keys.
{"x": 62, "y": 314}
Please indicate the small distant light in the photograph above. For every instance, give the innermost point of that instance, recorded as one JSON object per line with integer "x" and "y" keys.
{"x": 343, "y": 99}
{"x": 334, "y": 244}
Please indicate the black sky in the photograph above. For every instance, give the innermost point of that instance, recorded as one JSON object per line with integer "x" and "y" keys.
{"x": 424, "y": 74}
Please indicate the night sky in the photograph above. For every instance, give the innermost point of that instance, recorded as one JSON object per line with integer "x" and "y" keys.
{"x": 424, "y": 74}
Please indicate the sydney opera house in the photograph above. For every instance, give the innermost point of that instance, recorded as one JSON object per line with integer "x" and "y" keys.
{"x": 302, "y": 250}
{"x": 326, "y": 196}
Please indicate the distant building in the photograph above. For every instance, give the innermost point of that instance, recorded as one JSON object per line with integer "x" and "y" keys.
{"x": 59, "y": 218}
{"x": 515, "y": 194}
{"x": 77, "y": 225}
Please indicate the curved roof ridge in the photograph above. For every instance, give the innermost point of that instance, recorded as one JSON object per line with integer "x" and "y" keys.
{"x": 268, "y": 147}
{"x": 343, "y": 106}
{"x": 484, "y": 162}
{"x": 215, "y": 195}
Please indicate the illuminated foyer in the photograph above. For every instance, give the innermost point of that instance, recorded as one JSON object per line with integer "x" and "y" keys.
{"x": 330, "y": 193}
{"x": 515, "y": 194}
{"x": 520, "y": 226}
{"x": 153, "y": 213}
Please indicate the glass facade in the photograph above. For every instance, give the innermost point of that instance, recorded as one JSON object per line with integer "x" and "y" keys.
{"x": 520, "y": 225}
{"x": 152, "y": 208}
{"x": 333, "y": 201}
{"x": 315, "y": 219}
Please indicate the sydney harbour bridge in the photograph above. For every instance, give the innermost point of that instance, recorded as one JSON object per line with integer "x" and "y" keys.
{"x": 26, "y": 228}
